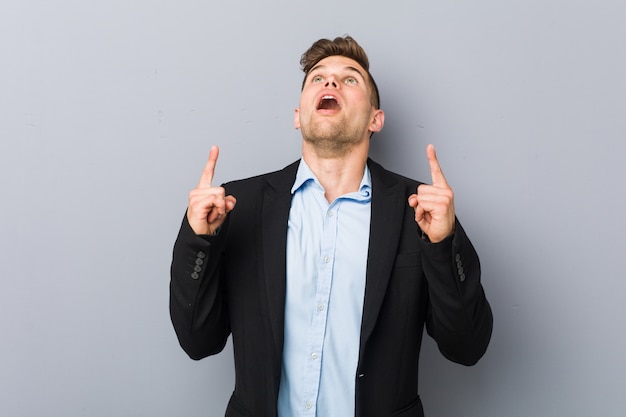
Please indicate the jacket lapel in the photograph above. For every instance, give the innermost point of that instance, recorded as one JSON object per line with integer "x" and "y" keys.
{"x": 273, "y": 248}
{"x": 388, "y": 206}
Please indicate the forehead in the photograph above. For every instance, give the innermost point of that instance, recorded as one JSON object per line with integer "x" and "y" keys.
{"x": 339, "y": 63}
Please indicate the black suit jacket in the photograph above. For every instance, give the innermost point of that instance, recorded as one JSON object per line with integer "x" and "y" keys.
{"x": 234, "y": 283}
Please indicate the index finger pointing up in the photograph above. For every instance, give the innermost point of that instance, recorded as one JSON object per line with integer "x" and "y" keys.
{"x": 209, "y": 169}
{"x": 439, "y": 180}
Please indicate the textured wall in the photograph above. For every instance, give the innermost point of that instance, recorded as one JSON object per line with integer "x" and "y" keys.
{"x": 108, "y": 110}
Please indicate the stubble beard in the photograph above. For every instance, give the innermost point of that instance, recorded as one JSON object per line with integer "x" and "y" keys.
{"x": 331, "y": 140}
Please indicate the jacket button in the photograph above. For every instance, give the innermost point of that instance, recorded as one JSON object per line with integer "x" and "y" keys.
{"x": 195, "y": 275}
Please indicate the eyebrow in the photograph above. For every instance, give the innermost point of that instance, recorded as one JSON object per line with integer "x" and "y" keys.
{"x": 348, "y": 67}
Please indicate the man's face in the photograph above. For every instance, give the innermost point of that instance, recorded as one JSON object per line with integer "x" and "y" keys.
{"x": 335, "y": 111}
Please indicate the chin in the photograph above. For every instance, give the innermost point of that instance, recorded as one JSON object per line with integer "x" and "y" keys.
{"x": 331, "y": 146}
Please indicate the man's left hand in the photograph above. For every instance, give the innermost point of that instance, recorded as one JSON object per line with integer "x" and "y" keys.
{"x": 434, "y": 204}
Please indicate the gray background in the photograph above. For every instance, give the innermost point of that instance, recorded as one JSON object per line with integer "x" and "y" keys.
{"x": 107, "y": 113}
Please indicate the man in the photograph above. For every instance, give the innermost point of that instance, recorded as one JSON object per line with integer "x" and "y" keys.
{"x": 327, "y": 271}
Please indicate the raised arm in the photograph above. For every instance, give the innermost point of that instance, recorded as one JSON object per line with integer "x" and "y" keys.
{"x": 197, "y": 309}
{"x": 460, "y": 318}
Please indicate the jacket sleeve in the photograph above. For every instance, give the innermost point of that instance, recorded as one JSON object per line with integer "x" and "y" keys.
{"x": 198, "y": 308}
{"x": 459, "y": 318}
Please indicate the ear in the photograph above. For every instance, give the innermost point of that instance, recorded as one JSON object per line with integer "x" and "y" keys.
{"x": 296, "y": 118}
{"x": 378, "y": 121}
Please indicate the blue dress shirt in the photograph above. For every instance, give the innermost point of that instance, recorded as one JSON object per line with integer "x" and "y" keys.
{"x": 327, "y": 248}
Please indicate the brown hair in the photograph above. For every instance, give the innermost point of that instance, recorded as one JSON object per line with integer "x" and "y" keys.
{"x": 346, "y": 47}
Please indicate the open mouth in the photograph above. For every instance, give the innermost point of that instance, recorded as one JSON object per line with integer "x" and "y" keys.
{"x": 328, "y": 103}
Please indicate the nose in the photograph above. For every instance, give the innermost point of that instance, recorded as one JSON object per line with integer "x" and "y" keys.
{"x": 330, "y": 82}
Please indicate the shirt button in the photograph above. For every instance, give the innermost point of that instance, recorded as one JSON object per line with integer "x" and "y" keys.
{"x": 331, "y": 213}
{"x": 326, "y": 259}
{"x": 314, "y": 355}
{"x": 308, "y": 405}
{"x": 320, "y": 307}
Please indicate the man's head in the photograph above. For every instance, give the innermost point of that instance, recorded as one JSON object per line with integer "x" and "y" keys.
{"x": 339, "y": 105}
{"x": 346, "y": 47}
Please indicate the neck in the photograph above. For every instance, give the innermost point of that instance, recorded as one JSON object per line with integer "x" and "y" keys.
{"x": 338, "y": 175}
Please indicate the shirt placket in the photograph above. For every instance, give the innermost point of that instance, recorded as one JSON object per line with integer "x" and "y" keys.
{"x": 320, "y": 309}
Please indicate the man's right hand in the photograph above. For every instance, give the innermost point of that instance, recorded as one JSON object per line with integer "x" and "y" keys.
{"x": 208, "y": 205}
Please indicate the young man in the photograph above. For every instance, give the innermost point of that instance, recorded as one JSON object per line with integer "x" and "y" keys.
{"x": 327, "y": 271}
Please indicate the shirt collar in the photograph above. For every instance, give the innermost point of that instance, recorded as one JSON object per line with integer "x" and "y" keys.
{"x": 305, "y": 175}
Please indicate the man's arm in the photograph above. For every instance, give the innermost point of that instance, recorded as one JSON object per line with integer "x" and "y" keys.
{"x": 197, "y": 306}
{"x": 459, "y": 319}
